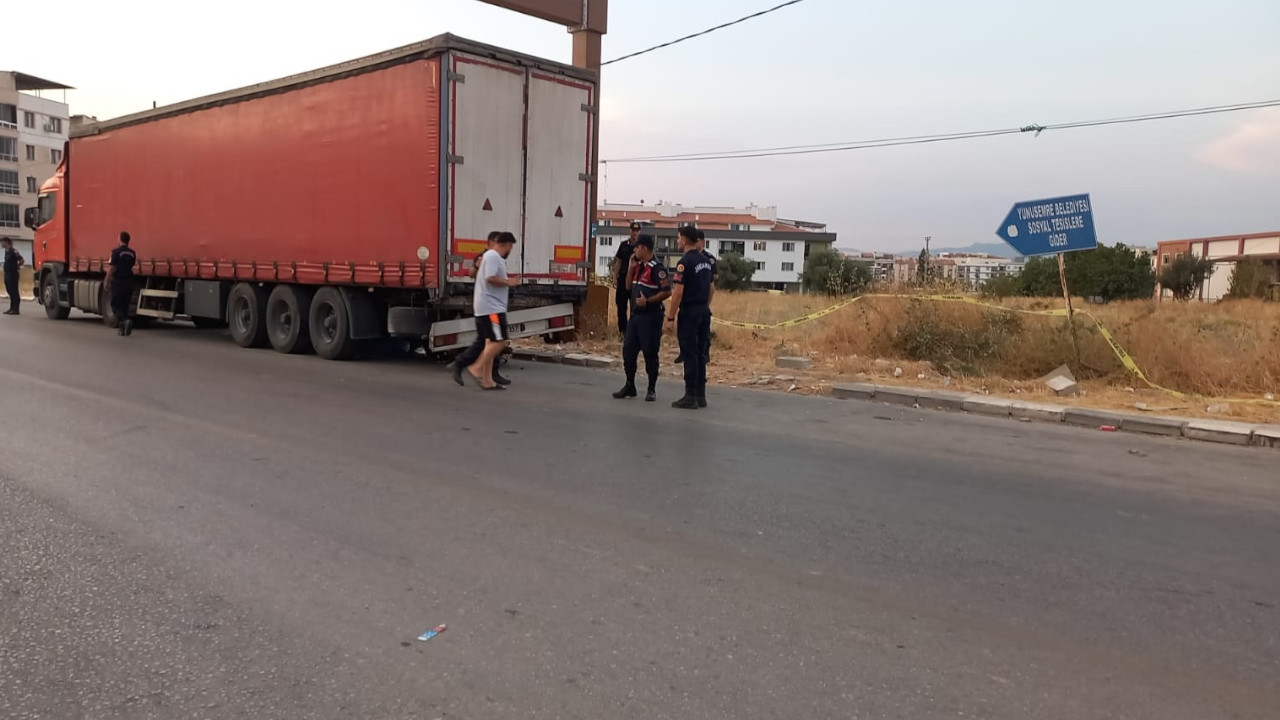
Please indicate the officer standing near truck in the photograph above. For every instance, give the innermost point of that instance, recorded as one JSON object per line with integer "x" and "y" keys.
{"x": 691, "y": 293}
{"x": 13, "y": 262}
{"x": 649, "y": 285}
{"x": 120, "y": 283}
{"x": 620, "y": 268}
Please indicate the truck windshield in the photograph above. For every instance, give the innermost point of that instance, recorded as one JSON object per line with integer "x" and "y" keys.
{"x": 48, "y": 205}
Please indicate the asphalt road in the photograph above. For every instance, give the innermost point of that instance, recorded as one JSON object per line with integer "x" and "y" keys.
{"x": 192, "y": 530}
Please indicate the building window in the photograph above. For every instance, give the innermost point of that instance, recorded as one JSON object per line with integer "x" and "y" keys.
{"x": 739, "y": 227}
{"x": 788, "y": 247}
{"x": 8, "y": 116}
{"x": 760, "y": 266}
{"x": 788, "y": 267}
{"x": 606, "y": 242}
{"x": 55, "y": 156}
{"x": 28, "y": 119}
{"x": 9, "y": 216}
{"x": 33, "y": 186}
{"x": 31, "y": 153}
{"x": 606, "y": 223}
{"x": 1165, "y": 260}
{"x": 758, "y": 246}
{"x": 9, "y": 149}
{"x": 8, "y": 182}
{"x": 729, "y": 246}
{"x": 55, "y": 125}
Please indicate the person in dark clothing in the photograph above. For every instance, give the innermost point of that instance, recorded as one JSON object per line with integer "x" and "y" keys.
{"x": 471, "y": 354}
{"x": 715, "y": 275}
{"x": 13, "y": 262}
{"x": 691, "y": 293}
{"x": 620, "y": 267}
{"x": 649, "y": 285}
{"x": 120, "y": 283}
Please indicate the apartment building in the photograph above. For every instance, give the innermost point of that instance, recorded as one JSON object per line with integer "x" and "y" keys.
{"x": 777, "y": 246}
{"x": 33, "y": 134}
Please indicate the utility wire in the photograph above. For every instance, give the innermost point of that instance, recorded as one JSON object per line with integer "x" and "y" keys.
{"x": 949, "y": 137}
{"x": 700, "y": 34}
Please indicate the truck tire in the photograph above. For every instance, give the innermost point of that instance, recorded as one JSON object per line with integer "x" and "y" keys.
{"x": 288, "y": 319}
{"x": 49, "y": 298}
{"x": 246, "y": 314}
{"x": 330, "y": 325}
{"x": 104, "y": 307}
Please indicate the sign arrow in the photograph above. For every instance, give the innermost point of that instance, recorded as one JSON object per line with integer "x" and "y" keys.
{"x": 1050, "y": 226}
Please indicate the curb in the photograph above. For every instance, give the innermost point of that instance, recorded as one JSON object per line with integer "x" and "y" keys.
{"x": 1215, "y": 431}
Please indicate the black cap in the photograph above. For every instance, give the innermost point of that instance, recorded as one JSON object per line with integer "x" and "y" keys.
{"x": 636, "y": 226}
{"x": 645, "y": 241}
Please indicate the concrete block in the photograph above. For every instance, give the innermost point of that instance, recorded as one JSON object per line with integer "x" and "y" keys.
{"x": 600, "y": 361}
{"x": 941, "y": 399}
{"x": 1061, "y": 381}
{"x": 538, "y": 354}
{"x": 576, "y": 359}
{"x": 896, "y": 395}
{"x": 794, "y": 363}
{"x": 1219, "y": 431}
{"x": 980, "y": 405}
{"x": 1155, "y": 425}
{"x": 1267, "y": 436}
{"x": 1038, "y": 411}
{"x": 1089, "y": 417}
{"x": 853, "y": 391}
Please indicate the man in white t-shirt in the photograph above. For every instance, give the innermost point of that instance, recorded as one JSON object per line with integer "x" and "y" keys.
{"x": 493, "y": 288}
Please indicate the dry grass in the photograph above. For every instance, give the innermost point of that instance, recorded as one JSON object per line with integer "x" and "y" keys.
{"x": 1210, "y": 352}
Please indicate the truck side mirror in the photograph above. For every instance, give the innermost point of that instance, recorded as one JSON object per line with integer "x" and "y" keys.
{"x": 29, "y": 217}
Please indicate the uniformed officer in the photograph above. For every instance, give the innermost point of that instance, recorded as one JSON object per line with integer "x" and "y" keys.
{"x": 620, "y": 267}
{"x": 13, "y": 261}
{"x": 120, "y": 283}
{"x": 715, "y": 275}
{"x": 649, "y": 285}
{"x": 690, "y": 295}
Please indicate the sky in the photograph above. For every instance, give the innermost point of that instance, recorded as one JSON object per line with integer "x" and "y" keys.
{"x": 822, "y": 71}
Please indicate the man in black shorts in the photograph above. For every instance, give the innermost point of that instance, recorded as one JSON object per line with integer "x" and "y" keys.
{"x": 491, "y": 297}
{"x": 471, "y": 354}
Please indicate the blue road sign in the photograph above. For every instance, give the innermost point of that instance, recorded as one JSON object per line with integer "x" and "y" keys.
{"x": 1051, "y": 226}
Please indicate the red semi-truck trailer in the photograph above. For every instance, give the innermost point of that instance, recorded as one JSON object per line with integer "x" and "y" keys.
{"x": 335, "y": 206}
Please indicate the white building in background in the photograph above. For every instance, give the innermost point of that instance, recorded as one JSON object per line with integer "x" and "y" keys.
{"x": 778, "y": 246}
{"x": 33, "y": 133}
{"x": 976, "y": 270}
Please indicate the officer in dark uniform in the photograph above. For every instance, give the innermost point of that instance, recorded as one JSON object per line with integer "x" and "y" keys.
{"x": 12, "y": 264}
{"x": 691, "y": 293}
{"x": 649, "y": 285}
{"x": 621, "y": 266}
{"x": 120, "y": 283}
{"x": 715, "y": 275}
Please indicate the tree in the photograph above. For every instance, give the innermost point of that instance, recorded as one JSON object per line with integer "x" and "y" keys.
{"x": 1185, "y": 276}
{"x": 1250, "y": 279}
{"x": 736, "y": 272}
{"x": 924, "y": 268}
{"x": 831, "y": 274}
{"x": 1108, "y": 272}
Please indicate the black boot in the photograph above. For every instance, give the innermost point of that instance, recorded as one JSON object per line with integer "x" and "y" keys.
{"x": 499, "y": 379}
{"x": 651, "y": 395}
{"x": 627, "y": 391}
{"x": 702, "y": 399}
{"x": 688, "y": 402}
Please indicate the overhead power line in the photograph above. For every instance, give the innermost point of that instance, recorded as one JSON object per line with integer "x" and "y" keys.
{"x": 704, "y": 32}
{"x": 1035, "y": 129}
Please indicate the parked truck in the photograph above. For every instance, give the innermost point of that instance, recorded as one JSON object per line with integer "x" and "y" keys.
{"x": 346, "y": 204}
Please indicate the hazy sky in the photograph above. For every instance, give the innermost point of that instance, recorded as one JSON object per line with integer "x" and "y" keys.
{"x": 821, "y": 71}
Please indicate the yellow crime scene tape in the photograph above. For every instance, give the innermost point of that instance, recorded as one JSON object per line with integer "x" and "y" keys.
{"x": 1121, "y": 354}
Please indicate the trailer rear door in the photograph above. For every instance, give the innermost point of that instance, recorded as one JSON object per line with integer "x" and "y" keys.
{"x": 556, "y": 182}
{"x": 485, "y": 158}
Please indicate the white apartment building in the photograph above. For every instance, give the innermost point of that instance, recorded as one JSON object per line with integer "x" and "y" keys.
{"x": 33, "y": 133}
{"x": 976, "y": 270}
{"x": 778, "y": 246}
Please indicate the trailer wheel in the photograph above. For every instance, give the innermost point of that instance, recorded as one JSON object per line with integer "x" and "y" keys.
{"x": 330, "y": 325}
{"x": 246, "y": 311}
{"x": 49, "y": 298}
{"x": 288, "y": 318}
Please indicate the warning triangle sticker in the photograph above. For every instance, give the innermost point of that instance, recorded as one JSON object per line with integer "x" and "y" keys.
{"x": 559, "y": 211}
{"x": 488, "y": 206}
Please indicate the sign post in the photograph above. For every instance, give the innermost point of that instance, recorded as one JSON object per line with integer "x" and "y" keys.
{"x": 1054, "y": 226}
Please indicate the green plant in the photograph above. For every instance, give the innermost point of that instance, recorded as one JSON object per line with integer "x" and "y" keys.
{"x": 925, "y": 334}
{"x": 1185, "y": 276}
{"x": 1250, "y": 279}
{"x": 735, "y": 272}
{"x": 828, "y": 273}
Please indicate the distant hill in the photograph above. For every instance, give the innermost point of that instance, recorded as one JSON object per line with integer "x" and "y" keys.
{"x": 997, "y": 249}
